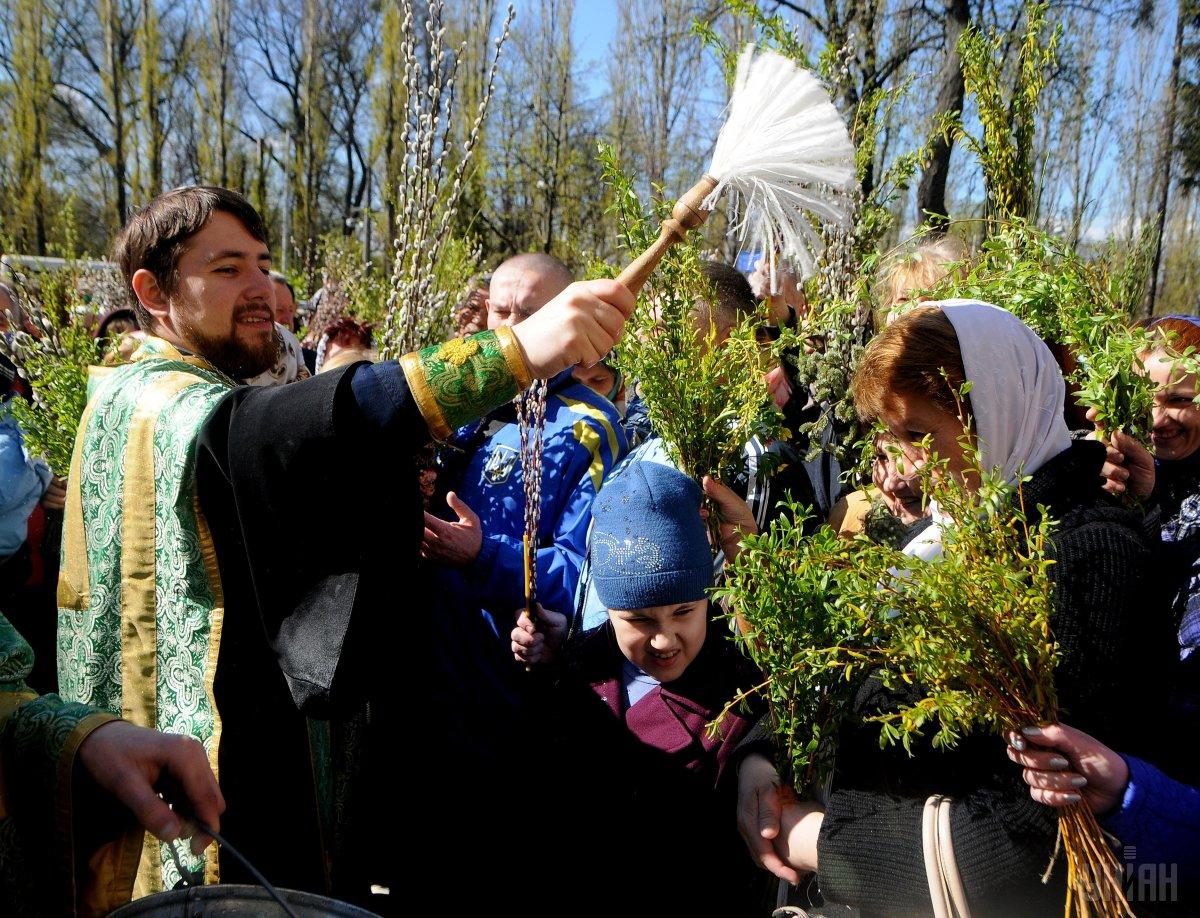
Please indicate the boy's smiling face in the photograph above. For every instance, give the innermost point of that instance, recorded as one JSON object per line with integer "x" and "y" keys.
{"x": 662, "y": 641}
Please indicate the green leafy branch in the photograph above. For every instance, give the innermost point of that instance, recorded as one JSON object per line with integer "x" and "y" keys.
{"x": 971, "y": 629}
{"x": 963, "y": 641}
{"x": 770, "y": 31}
{"x": 706, "y": 398}
{"x": 1005, "y": 146}
{"x": 54, "y": 359}
{"x": 1080, "y": 306}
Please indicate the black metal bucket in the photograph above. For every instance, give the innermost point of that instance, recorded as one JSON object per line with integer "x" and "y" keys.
{"x": 236, "y": 901}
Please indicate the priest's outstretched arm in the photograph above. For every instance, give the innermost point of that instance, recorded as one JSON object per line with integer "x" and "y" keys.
{"x": 333, "y": 458}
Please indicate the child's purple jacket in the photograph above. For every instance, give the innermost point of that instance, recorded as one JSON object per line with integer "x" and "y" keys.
{"x": 676, "y": 724}
{"x": 674, "y": 717}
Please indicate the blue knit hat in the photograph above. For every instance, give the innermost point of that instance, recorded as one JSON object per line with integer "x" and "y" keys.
{"x": 649, "y": 546}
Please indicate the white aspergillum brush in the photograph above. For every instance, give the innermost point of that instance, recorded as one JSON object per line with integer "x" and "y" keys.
{"x": 784, "y": 153}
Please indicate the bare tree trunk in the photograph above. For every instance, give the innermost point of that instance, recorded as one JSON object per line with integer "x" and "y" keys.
{"x": 931, "y": 192}
{"x": 863, "y": 19}
{"x": 1166, "y": 155}
{"x": 115, "y": 51}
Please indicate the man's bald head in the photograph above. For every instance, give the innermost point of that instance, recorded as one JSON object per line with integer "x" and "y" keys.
{"x": 523, "y": 285}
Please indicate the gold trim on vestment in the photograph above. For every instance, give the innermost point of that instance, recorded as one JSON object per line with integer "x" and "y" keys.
{"x": 208, "y": 551}
{"x": 418, "y": 385}
{"x": 139, "y": 601}
{"x": 109, "y": 874}
{"x": 139, "y": 620}
{"x": 64, "y": 810}
{"x": 138, "y": 589}
{"x": 9, "y": 702}
{"x": 74, "y": 577}
{"x": 514, "y": 358}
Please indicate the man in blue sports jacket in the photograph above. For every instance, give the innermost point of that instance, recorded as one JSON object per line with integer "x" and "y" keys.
{"x": 582, "y": 441}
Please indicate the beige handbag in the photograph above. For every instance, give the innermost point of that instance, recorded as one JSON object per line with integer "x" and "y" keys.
{"x": 941, "y": 869}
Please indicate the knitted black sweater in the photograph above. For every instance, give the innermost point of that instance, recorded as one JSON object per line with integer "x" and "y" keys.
{"x": 1115, "y": 639}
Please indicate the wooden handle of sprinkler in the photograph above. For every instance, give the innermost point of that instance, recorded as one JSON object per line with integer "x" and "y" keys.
{"x": 687, "y": 214}
{"x": 527, "y": 552}
{"x": 530, "y": 573}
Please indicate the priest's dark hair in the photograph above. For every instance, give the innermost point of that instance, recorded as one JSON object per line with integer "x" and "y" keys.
{"x": 156, "y": 237}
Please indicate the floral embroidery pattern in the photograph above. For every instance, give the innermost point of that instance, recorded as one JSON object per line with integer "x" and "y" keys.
{"x": 466, "y": 385}
{"x": 458, "y": 351}
{"x": 90, "y": 638}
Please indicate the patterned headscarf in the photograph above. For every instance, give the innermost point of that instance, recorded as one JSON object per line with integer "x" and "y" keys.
{"x": 289, "y": 363}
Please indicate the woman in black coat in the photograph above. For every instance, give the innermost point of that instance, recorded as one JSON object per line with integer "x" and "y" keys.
{"x": 865, "y": 842}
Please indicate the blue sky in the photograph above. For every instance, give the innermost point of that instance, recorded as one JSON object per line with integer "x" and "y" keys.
{"x": 593, "y": 28}
{"x": 595, "y": 24}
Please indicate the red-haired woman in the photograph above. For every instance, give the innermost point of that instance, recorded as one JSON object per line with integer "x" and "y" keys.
{"x": 865, "y": 842}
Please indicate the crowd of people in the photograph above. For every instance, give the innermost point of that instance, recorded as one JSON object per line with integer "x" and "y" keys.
{"x": 290, "y": 609}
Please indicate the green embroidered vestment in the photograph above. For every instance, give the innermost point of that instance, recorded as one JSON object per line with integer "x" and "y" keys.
{"x": 140, "y": 602}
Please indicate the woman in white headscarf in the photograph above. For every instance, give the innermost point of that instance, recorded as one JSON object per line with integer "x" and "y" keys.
{"x": 866, "y": 843}
{"x": 1014, "y": 380}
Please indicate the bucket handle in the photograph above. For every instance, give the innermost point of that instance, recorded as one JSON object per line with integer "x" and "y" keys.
{"x": 189, "y": 877}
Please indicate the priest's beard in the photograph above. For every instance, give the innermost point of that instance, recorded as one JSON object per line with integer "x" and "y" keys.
{"x": 232, "y": 355}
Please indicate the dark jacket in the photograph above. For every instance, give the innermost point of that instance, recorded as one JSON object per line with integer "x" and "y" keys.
{"x": 651, "y": 809}
{"x": 673, "y": 718}
{"x": 1115, "y": 642}
{"x": 1175, "y": 507}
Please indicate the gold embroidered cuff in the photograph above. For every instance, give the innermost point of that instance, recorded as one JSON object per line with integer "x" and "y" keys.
{"x": 514, "y": 358}
{"x": 414, "y": 372}
{"x": 463, "y": 379}
{"x": 66, "y": 763}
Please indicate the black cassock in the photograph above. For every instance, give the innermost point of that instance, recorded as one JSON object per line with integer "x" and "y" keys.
{"x": 312, "y": 497}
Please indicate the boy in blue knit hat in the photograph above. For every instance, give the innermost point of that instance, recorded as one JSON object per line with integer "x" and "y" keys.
{"x": 652, "y": 567}
{"x": 635, "y": 696}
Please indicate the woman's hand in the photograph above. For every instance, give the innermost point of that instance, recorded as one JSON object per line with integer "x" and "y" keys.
{"x": 799, "y": 829}
{"x": 760, "y": 803}
{"x": 1070, "y": 766}
{"x": 1128, "y": 466}
{"x": 737, "y": 521}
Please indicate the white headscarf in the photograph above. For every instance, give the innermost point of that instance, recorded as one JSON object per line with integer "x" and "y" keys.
{"x": 1017, "y": 394}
